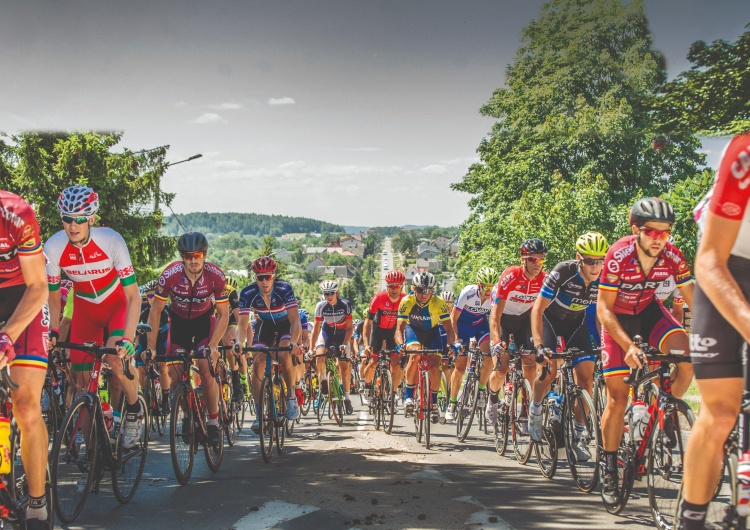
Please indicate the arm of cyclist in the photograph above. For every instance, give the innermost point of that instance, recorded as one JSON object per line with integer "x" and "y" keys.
{"x": 133, "y": 298}
{"x": 315, "y": 333}
{"x": 450, "y": 332}
{"x": 154, "y": 316}
{"x": 537, "y": 327}
{"x": 296, "y": 325}
{"x": 222, "y": 319}
{"x": 349, "y": 333}
{"x": 606, "y": 315}
{"x": 495, "y": 329}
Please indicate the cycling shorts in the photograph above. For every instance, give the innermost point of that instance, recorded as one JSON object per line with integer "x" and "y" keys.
{"x": 328, "y": 337}
{"x": 96, "y": 323}
{"x": 715, "y": 346}
{"x": 655, "y": 324}
{"x": 466, "y": 332}
{"x": 31, "y": 345}
{"x": 189, "y": 334}
{"x": 519, "y": 326}
{"x": 575, "y": 333}
{"x": 430, "y": 340}
{"x": 270, "y": 333}
{"x": 380, "y": 336}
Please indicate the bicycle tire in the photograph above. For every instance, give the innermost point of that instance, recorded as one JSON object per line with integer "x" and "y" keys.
{"x": 282, "y": 422}
{"x": 266, "y": 419}
{"x": 443, "y": 397}
{"x": 307, "y": 392}
{"x": 335, "y": 398}
{"x": 500, "y": 429}
{"x": 125, "y": 480}
{"x": 585, "y": 472}
{"x": 17, "y": 484}
{"x": 72, "y": 462}
{"x": 626, "y": 472}
{"x": 546, "y": 450}
{"x": 522, "y": 445}
{"x": 240, "y": 416}
{"x": 377, "y": 403}
{"x": 426, "y": 406}
{"x": 226, "y": 413}
{"x": 388, "y": 397}
{"x": 50, "y": 415}
{"x": 182, "y": 435}
{"x": 467, "y": 406}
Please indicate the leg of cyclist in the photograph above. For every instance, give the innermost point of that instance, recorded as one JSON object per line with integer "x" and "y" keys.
{"x": 486, "y": 371}
{"x": 456, "y": 378}
{"x": 259, "y": 371}
{"x": 289, "y": 374}
{"x": 345, "y": 369}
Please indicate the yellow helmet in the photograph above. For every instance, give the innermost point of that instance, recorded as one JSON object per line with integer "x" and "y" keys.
{"x": 592, "y": 244}
{"x": 231, "y": 283}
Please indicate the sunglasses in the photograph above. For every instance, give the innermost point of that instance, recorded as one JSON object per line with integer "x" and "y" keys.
{"x": 329, "y": 293}
{"x": 263, "y": 277}
{"x": 486, "y": 287}
{"x": 653, "y": 233}
{"x": 77, "y": 220}
{"x": 193, "y": 255}
{"x": 422, "y": 290}
{"x": 395, "y": 286}
{"x": 150, "y": 296}
{"x": 540, "y": 261}
{"x": 592, "y": 262}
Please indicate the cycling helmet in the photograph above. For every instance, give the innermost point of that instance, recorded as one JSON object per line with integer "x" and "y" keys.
{"x": 77, "y": 201}
{"x": 303, "y": 312}
{"x": 150, "y": 285}
{"x": 192, "y": 242}
{"x": 142, "y": 290}
{"x": 263, "y": 265}
{"x": 592, "y": 244}
{"x": 329, "y": 285}
{"x": 487, "y": 275}
{"x": 533, "y": 246}
{"x": 357, "y": 322}
{"x": 651, "y": 209}
{"x": 448, "y": 296}
{"x": 231, "y": 283}
{"x": 395, "y": 276}
{"x": 425, "y": 280}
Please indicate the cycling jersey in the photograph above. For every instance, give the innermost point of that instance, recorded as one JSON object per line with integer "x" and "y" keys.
{"x": 568, "y": 293}
{"x": 423, "y": 318}
{"x": 358, "y": 330}
{"x": 282, "y": 299}
{"x": 519, "y": 291}
{"x": 191, "y": 300}
{"x": 623, "y": 274}
{"x": 334, "y": 317}
{"x": 383, "y": 311}
{"x": 234, "y": 303}
{"x": 474, "y": 312}
{"x": 19, "y": 235}
{"x": 98, "y": 269}
{"x": 665, "y": 290}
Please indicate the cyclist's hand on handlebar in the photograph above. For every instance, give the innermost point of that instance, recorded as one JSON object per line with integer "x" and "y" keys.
{"x": 399, "y": 348}
{"x": 498, "y": 348}
{"x": 457, "y": 347}
{"x": 54, "y": 336}
{"x": 7, "y": 353}
{"x": 213, "y": 353}
{"x": 634, "y": 357}
{"x": 125, "y": 348}
{"x": 368, "y": 350}
{"x": 237, "y": 348}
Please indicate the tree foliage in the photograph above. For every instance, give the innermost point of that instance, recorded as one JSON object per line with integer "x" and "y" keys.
{"x": 247, "y": 224}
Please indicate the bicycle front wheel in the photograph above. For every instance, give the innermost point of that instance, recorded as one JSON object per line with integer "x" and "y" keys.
{"x": 182, "y": 435}
{"x": 130, "y": 462}
{"x": 580, "y": 439}
{"x": 388, "y": 399}
{"x": 546, "y": 449}
{"x": 467, "y": 406}
{"x": 307, "y": 393}
{"x": 227, "y": 412}
{"x": 500, "y": 429}
{"x": 519, "y": 418}
{"x": 266, "y": 419}
{"x": 425, "y": 405}
{"x": 74, "y": 460}
{"x": 334, "y": 394}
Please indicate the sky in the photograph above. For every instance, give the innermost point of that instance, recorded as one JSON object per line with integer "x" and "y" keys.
{"x": 353, "y": 112}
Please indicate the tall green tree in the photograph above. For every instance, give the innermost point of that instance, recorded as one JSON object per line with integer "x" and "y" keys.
{"x": 39, "y": 165}
{"x": 573, "y": 115}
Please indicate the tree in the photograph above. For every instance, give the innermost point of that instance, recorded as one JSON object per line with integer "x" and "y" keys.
{"x": 573, "y": 116}
{"x": 39, "y": 165}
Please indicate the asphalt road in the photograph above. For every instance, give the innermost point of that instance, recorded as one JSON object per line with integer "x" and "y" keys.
{"x": 353, "y": 477}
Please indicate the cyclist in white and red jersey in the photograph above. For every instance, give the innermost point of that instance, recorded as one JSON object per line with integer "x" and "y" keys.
{"x": 196, "y": 287}
{"x": 721, "y": 329}
{"x": 106, "y": 294}
{"x": 513, "y": 297}
{"x": 24, "y": 323}
{"x": 627, "y": 306}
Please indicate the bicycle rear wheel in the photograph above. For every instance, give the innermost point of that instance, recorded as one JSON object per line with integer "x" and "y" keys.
{"x": 377, "y": 404}
{"x": 388, "y": 398}
{"x": 519, "y": 426}
{"x": 500, "y": 429}
{"x": 307, "y": 392}
{"x": 425, "y": 405}
{"x": 665, "y": 462}
{"x": 282, "y": 423}
{"x": 226, "y": 412}
{"x": 182, "y": 435}
{"x": 266, "y": 419}
{"x": 580, "y": 440}
{"x": 74, "y": 460}
{"x": 546, "y": 450}
{"x": 443, "y": 395}
{"x": 130, "y": 462}
{"x": 467, "y": 406}
{"x": 49, "y": 414}
{"x": 334, "y": 394}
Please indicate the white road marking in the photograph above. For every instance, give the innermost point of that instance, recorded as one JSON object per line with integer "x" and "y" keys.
{"x": 271, "y": 514}
{"x": 482, "y": 517}
{"x": 362, "y": 420}
{"x": 429, "y": 474}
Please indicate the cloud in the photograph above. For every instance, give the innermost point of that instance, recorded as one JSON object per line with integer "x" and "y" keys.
{"x": 281, "y": 101}
{"x": 226, "y": 106}
{"x": 434, "y": 169}
{"x": 208, "y": 117}
{"x": 180, "y": 104}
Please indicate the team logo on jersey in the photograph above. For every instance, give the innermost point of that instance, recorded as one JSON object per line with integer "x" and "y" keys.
{"x": 96, "y": 255}
{"x": 612, "y": 277}
{"x": 554, "y": 275}
{"x": 27, "y": 231}
{"x": 614, "y": 266}
{"x": 731, "y": 209}
{"x": 72, "y": 257}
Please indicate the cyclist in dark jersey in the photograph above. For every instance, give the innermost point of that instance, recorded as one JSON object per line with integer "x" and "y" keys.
{"x": 147, "y": 291}
{"x": 333, "y": 327}
{"x": 721, "y": 329}
{"x": 236, "y": 363}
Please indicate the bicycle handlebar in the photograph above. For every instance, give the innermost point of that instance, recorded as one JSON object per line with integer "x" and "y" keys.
{"x": 99, "y": 351}
{"x": 650, "y": 354}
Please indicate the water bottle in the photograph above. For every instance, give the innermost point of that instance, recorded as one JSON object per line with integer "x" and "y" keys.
{"x": 508, "y": 393}
{"x": 109, "y": 418}
{"x": 743, "y": 490}
{"x": 56, "y": 388}
{"x": 5, "y": 452}
{"x": 639, "y": 419}
{"x": 554, "y": 401}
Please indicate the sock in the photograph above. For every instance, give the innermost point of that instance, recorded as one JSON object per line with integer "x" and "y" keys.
{"x": 579, "y": 427}
{"x": 135, "y": 408}
{"x": 494, "y": 397}
{"x": 535, "y": 408}
{"x": 610, "y": 460}
{"x": 299, "y": 384}
{"x": 37, "y": 508}
{"x": 346, "y": 395}
{"x": 409, "y": 393}
{"x": 454, "y": 399}
{"x": 257, "y": 410}
{"x": 481, "y": 386}
{"x": 213, "y": 419}
{"x": 434, "y": 396}
{"x": 692, "y": 516}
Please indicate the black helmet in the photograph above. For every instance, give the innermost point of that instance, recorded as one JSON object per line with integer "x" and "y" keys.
{"x": 651, "y": 209}
{"x": 192, "y": 242}
{"x": 533, "y": 246}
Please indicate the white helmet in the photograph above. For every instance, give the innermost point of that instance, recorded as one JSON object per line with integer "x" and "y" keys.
{"x": 448, "y": 296}
{"x": 425, "y": 280}
{"x": 78, "y": 200}
{"x": 329, "y": 285}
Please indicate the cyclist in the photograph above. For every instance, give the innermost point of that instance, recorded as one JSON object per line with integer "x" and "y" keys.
{"x": 721, "y": 329}
{"x": 559, "y": 314}
{"x": 419, "y": 317}
{"x": 196, "y": 287}
{"x": 333, "y": 327}
{"x": 236, "y": 363}
{"x": 277, "y": 322}
{"x": 24, "y": 324}
{"x": 513, "y": 297}
{"x": 633, "y": 268}
{"x": 106, "y": 294}
{"x": 469, "y": 318}
{"x": 450, "y": 300}
{"x": 148, "y": 290}
{"x": 666, "y": 289}
{"x": 380, "y": 328}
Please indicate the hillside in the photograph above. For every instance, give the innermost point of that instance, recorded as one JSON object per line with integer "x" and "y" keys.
{"x": 247, "y": 224}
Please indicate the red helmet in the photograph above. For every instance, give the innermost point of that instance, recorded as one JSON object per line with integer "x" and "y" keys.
{"x": 395, "y": 277}
{"x": 264, "y": 265}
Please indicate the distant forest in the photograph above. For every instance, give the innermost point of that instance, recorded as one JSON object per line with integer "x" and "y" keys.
{"x": 249, "y": 224}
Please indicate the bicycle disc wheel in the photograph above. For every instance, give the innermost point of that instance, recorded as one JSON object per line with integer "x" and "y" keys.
{"x": 467, "y": 406}
{"x": 73, "y": 460}
{"x": 127, "y": 476}
{"x": 519, "y": 427}
{"x": 336, "y": 398}
{"x": 265, "y": 416}
{"x": 665, "y": 462}
{"x": 546, "y": 449}
{"x": 425, "y": 404}
{"x": 182, "y": 435}
{"x": 581, "y": 443}
{"x": 500, "y": 429}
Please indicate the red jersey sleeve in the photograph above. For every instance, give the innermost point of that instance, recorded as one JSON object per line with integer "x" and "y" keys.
{"x": 732, "y": 189}
{"x": 505, "y": 284}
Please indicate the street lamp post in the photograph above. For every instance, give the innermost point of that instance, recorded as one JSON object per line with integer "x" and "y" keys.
{"x": 158, "y": 184}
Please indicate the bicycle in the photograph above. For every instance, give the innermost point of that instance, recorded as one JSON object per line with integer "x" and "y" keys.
{"x": 309, "y": 386}
{"x": 334, "y": 399}
{"x": 574, "y": 400}
{"x": 383, "y": 398}
{"x": 469, "y": 395}
{"x": 423, "y": 396}
{"x": 659, "y": 453}
{"x": 229, "y": 407}
{"x": 513, "y": 416}
{"x": 153, "y": 395}
{"x": 14, "y": 488}
{"x": 53, "y": 396}
{"x": 85, "y": 449}
{"x": 188, "y": 420}
{"x": 444, "y": 394}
